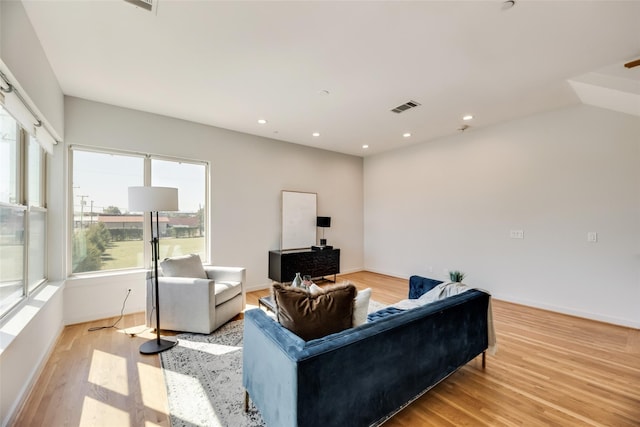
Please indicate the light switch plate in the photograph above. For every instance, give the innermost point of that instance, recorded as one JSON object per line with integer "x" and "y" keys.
{"x": 516, "y": 234}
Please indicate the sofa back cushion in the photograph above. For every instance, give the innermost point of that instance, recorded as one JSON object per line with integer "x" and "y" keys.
{"x": 312, "y": 316}
{"x": 183, "y": 266}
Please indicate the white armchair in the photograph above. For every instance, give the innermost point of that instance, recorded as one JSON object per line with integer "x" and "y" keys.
{"x": 198, "y": 305}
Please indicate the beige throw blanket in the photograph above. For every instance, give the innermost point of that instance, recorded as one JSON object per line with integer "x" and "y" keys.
{"x": 445, "y": 290}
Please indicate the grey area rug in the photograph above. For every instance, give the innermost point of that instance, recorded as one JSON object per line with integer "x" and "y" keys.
{"x": 203, "y": 374}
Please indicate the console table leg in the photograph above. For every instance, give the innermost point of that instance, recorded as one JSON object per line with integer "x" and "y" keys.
{"x": 484, "y": 359}
{"x": 246, "y": 401}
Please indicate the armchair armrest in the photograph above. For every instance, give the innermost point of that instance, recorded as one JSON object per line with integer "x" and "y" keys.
{"x": 184, "y": 303}
{"x": 224, "y": 274}
{"x": 229, "y": 274}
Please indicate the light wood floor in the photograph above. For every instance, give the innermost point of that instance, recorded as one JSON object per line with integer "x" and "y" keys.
{"x": 550, "y": 369}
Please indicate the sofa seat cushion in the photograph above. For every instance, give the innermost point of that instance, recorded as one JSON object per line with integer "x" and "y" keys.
{"x": 226, "y": 290}
{"x": 383, "y": 313}
{"x": 312, "y": 316}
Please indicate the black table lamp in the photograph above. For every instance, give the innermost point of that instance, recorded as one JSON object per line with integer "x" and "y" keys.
{"x": 154, "y": 200}
{"x": 323, "y": 222}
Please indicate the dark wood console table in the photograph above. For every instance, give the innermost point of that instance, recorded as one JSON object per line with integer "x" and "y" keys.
{"x": 283, "y": 265}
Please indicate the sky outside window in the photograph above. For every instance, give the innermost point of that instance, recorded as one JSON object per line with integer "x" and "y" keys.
{"x": 104, "y": 179}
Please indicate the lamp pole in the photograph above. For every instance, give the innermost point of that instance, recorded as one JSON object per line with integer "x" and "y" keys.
{"x": 154, "y": 200}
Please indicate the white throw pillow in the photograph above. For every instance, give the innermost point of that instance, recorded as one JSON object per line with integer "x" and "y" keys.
{"x": 315, "y": 289}
{"x": 361, "y": 307}
{"x": 183, "y": 266}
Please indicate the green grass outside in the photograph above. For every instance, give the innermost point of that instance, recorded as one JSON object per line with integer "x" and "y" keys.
{"x": 128, "y": 254}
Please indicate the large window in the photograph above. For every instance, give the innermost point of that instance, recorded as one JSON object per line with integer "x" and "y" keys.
{"x": 106, "y": 235}
{"x": 23, "y": 213}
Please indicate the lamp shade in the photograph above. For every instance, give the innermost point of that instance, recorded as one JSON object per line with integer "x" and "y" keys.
{"x": 323, "y": 221}
{"x": 153, "y": 199}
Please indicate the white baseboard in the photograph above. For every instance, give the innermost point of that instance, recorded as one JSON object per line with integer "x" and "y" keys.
{"x": 569, "y": 311}
{"x": 258, "y": 287}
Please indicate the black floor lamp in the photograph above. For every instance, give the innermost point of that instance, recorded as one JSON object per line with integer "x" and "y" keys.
{"x": 154, "y": 200}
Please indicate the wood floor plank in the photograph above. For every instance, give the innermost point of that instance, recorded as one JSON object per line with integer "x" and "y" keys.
{"x": 550, "y": 370}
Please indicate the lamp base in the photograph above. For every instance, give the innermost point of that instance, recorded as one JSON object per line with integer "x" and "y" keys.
{"x": 153, "y": 346}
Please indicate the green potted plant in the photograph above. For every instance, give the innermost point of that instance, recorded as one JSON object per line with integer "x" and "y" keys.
{"x": 456, "y": 276}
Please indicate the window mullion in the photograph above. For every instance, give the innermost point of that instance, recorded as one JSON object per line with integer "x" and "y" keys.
{"x": 24, "y": 197}
{"x": 146, "y": 223}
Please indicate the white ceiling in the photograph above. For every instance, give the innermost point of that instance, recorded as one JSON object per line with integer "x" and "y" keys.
{"x": 227, "y": 64}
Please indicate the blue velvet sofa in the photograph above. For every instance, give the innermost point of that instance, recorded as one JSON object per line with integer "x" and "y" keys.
{"x": 364, "y": 375}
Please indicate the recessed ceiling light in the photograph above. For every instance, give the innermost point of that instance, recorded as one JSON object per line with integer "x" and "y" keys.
{"x": 467, "y": 117}
{"x": 323, "y": 92}
{"x": 365, "y": 146}
{"x": 315, "y": 134}
{"x": 262, "y": 121}
{"x": 406, "y": 135}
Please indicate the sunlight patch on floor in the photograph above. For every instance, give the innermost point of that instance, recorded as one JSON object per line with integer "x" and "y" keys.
{"x": 151, "y": 379}
{"x": 96, "y": 413}
{"x": 109, "y": 371}
{"x": 215, "y": 349}
{"x": 141, "y": 331}
{"x": 198, "y": 407}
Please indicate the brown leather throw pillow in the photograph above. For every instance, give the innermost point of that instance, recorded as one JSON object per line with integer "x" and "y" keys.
{"x": 314, "y": 316}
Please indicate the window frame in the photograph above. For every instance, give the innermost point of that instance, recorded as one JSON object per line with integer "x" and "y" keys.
{"x": 23, "y": 138}
{"x": 146, "y": 225}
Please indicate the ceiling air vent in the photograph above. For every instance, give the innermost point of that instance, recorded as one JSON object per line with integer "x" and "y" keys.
{"x": 406, "y": 106}
{"x": 145, "y": 4}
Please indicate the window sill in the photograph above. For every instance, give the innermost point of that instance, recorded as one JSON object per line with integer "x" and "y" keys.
{"x": 99, "y": 278}
{"x": 25, "y": 312}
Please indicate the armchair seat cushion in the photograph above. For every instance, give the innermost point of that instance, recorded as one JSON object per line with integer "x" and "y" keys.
{"x": 226, "y": 290}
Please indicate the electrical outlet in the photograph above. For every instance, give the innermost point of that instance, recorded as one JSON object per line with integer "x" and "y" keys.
{"x": 516, "y": 234}
{"x": 592, "y": 237}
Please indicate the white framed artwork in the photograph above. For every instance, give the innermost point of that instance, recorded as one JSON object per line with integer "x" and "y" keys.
{"x": 299, "y": 212}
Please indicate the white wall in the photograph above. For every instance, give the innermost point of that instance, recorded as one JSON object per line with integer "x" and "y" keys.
{"x": 248, "y": 174}
{"x": 22, "y": 53}
{"x": 28, "y": 335}
{"x": 450, "y": 204}
{"x": 26, "y": 341}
